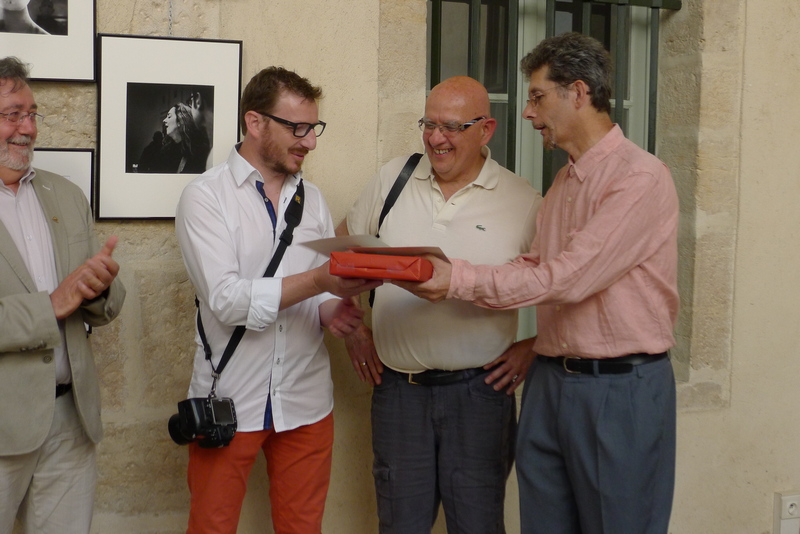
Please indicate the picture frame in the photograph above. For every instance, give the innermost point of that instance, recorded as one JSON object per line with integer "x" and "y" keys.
{"x": 65, "y": 52}
{"x": 168, "y": 111}
{"x": 74, "y": 164}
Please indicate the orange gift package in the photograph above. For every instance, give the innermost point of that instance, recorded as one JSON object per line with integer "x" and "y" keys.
{"x": 380, "y": 266}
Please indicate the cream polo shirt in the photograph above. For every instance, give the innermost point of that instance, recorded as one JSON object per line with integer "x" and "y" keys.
{"x": 225, "y": 235}
{"x": 491, "y": 221}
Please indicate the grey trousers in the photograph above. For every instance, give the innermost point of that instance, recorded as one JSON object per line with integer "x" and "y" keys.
{"x": 451, "y": 444}
{"x": 596, "y": 453}
{"x": 53, "y": 487}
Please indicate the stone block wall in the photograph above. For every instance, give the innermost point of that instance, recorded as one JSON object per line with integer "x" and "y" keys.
{"x": 369, "y": 58}
{"x": 702, "y": 47}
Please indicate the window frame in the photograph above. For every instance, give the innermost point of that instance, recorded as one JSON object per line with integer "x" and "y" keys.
{"x": 536, "y": 165}
{"x": 474, "y": 61}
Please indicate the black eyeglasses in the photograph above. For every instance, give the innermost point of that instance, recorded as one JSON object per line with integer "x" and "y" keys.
{"x": 447, "y": 128}
{"x": 16, "y": 117}
{"x": 299, "y": 129}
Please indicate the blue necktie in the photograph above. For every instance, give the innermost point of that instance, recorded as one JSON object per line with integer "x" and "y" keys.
{"x": 270, "y": 208}
{"x": 274, "y": 218}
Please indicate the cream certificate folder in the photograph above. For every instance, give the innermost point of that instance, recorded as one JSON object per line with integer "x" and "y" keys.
{"x": 368, "y": 244}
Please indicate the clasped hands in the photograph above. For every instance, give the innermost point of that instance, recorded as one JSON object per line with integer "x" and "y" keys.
{"x": 86, "y": 282}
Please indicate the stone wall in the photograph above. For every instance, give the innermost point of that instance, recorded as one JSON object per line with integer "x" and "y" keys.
{"x": 738, "y": 434}
{"x": 699, "y": 111}
{"x": 369, "y": 58}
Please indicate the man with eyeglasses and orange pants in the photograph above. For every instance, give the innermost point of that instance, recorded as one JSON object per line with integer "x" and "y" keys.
{"x": 54, "y": 279}
{"x": 443, "y": 409}
{"x": 230, "y": 222}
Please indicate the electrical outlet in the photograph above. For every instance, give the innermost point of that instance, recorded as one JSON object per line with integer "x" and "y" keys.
{"x": 786, "y": 513}
{"x": 790, "y": 505}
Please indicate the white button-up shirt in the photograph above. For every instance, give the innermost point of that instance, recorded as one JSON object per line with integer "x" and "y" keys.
{"x": 226, "y": 238}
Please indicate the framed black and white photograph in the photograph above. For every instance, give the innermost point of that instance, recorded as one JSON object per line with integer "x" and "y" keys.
{"x": 168, "y": 111}
{"x": 75, "y": 164}
{"x": 55, "y": 37}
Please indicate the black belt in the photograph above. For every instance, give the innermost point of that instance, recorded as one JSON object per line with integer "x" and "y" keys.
{"x": 609, "y": 366}
{"x": 63, "y": 389}
{"x": 437, "y": 377}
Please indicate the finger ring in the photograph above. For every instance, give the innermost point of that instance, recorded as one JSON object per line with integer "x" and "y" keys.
{"x": 363, "y": 363}
{"x": 515, "y": 378}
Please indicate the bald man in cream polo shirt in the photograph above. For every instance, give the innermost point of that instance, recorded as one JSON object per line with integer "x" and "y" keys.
{"x": 443, "y": 410}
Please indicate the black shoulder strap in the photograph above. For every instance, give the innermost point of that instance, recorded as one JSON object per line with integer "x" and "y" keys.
{"x": 391, "y": 198}
{"x": 397, "y": 188}
{"x": 292, "y": 216}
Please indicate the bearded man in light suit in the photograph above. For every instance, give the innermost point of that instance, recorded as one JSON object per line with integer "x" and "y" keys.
{"x": 54, "y": 279}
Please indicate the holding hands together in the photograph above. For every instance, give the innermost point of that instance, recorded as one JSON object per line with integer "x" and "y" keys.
{"x": 86, "y": 282}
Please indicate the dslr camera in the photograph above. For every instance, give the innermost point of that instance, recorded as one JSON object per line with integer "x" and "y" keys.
{"x": 208, "y": 420}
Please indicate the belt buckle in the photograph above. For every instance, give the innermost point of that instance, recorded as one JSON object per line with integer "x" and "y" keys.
{"x": 567, "y": 369}
{"x": 411, "y": 379}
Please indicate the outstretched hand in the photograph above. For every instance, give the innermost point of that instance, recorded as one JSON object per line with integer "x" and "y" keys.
{"x": 434, "y": 289}
{"x": 86, "y": 282}
{"x": 342, "y": 287}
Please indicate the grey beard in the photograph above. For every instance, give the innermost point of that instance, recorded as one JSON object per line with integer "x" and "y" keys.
{"x": 16, "y": 164}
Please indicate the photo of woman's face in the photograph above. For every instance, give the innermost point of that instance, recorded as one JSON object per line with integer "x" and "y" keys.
{"x": 14, "y": 5}
{"x": 170, "y": 123}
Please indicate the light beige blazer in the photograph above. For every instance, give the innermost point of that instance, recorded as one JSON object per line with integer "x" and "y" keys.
{"x": 29, "y": 330}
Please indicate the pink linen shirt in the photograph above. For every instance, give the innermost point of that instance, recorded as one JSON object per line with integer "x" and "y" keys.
{"x": 602, "y": 268}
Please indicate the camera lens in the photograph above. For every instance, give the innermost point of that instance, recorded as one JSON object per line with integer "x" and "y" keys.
{"x": 175, "y": 432}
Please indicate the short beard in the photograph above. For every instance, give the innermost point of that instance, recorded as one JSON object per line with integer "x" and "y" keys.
{"x": 271, "y": 158}
{"x": 13, "y": 162}
{"x": 276, "y": 165}
{"x": 550, "y": 142}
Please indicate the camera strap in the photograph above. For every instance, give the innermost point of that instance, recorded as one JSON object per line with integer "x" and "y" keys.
{"x": 293, "y": 216}
{"x": 391, "y": 198}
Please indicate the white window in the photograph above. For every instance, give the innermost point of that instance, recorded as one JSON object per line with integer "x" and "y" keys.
{"x": 485, "y": 39}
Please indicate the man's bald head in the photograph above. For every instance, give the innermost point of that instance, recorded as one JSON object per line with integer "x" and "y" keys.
{"x": 463, "y": 93}
{"x": 456, "y": 126}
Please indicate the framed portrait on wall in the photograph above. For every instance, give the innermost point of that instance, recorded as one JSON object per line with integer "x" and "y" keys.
{"x": 74, "y": 164}
{"x": 55, "y": 37}
{"x": 168, "y": 111}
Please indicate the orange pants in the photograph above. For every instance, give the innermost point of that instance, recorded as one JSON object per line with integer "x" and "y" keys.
{"x": 299, "y": 469}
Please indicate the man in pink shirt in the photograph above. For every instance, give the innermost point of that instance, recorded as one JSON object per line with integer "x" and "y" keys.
{"x": 596, "y": 443}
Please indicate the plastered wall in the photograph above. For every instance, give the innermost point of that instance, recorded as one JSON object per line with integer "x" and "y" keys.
{"x": 728, "y": 126}
{"x": 738, "y": 433}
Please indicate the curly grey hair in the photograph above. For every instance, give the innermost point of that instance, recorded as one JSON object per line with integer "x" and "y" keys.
{"x": 12, "y": 68}
{"x": 572, "y": 57}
